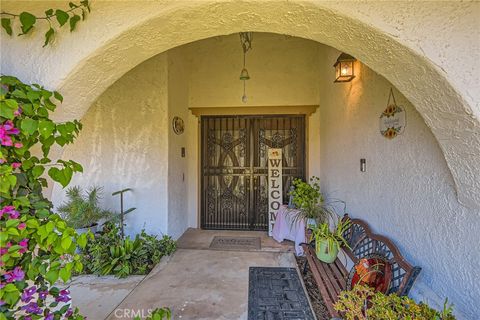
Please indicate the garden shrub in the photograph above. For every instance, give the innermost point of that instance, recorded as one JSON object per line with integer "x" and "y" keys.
{"x": 386, "y": 307}
{"x": 83, "y": 210}
{"x": 37, "y": 247}
{"x": 108, "y": 253}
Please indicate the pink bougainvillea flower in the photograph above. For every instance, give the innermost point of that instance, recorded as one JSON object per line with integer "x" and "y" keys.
{"x": 28, "y": 293}
{"x": 18, "y": 145}
{"x": 16, "y": 165}
{"x": 69, "y": 313}
{"x": 10, "y": 210}
{"x": 22, "y": 226}
{"x": 32, "y": 308}
{"x": 6, "y": 131}
{"x": 18, "y": 112}
{"x": 63, "y": 296}
{"x": 14, "y": 214}
{"x": 42, "y": 295}
{"x": 6, "y": 210}
{"x": 16, "y": 274}
{"x": 3, "y": 251}
{"x": 24, "y": 245}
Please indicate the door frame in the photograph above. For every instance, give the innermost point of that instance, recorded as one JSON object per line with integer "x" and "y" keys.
{"x": 306, "y": 110}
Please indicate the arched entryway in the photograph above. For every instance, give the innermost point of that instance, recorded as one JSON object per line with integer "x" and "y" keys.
{"x": 155, "y": 28}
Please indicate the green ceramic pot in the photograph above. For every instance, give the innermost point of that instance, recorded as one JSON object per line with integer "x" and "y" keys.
{"x": 325, "y": 255}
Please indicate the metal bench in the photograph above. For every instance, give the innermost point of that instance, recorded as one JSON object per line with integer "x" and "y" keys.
{"x": 331, "y": 278}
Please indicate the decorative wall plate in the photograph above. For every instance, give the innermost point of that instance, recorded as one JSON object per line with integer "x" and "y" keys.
{"x": 393, "y": 119}
{"x": 178, "y": 125}
{"x": 374, "y": 271}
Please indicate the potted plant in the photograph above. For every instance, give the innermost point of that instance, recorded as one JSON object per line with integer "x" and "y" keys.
{"x": 327, "y": 241}
{"x": 83, "y": 212}
{"x": 363, "y": 303}
{"x": 311, "y": 205}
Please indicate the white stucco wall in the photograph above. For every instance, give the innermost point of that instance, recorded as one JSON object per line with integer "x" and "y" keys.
{"x": 407, "y": 192}
{"x": 178, "y": 178}
{"x": 124, "y": 144}
{"x": 283, "y": 72}
{"x": 428, "y": 50}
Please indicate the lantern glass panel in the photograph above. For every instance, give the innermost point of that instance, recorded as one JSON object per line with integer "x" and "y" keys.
{"x": 344, "y": 71}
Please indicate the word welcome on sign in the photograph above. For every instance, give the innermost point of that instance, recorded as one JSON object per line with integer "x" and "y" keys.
{"x": 274, "y": 186}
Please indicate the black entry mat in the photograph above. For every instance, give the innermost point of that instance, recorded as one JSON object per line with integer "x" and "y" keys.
{"x": 235, "y": 243}
{"x": 277, "y": 294}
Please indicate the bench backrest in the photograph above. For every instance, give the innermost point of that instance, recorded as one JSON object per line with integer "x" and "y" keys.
{"x": 363, "y": 242}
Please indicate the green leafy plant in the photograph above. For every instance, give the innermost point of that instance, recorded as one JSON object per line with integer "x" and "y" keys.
{"x": 28, "y": 20}
{"x": 83, "y": 210}
{"x": 158, "y": 314}
{"x": 333, "y": 237}
{"x": 310, "y": 201}
{"x": 362, "y": 303}
{"x": 37, "y": 247}
{"x": 110, "y": 254}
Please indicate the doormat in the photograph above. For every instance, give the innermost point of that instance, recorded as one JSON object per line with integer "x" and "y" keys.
{"x": 235, "y": 243}
{"x": 277, "y": 293}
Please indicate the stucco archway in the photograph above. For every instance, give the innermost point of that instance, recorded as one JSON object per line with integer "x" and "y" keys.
{"x": 164, "y": 26}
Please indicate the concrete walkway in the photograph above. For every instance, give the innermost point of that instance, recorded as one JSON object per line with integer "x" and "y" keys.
{"x": 196, "y": 282}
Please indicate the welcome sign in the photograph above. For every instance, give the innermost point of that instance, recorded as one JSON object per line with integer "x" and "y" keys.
{"x": 274, "y": 185}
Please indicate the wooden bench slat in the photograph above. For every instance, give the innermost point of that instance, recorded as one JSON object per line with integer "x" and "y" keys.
{"x": 320, "y": 283}
{"x": 340, "y": 273}
{"x": 330, "y": 279}
{"x": 341, "y": 268}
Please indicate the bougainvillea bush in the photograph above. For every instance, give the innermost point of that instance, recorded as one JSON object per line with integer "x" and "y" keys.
{"x": 37, "y": 247}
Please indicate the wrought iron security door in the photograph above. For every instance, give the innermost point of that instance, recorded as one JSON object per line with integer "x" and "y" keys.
{"x": 234, "y": 167}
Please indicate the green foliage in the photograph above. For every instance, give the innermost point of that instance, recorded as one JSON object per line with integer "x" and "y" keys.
{"x": 81, "y": 211}
{"x": 386, "y": 307}
{"x": 335, "y": 237}
{"x": 110, "y": 254}
{"x": 158, "y": 314}
{"x": 310, "y": 201}
{"x": 28, "y": 20}
{"x": 37, "y": 246}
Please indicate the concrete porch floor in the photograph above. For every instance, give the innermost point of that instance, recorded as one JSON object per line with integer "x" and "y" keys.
{"x": 196, "y": 282}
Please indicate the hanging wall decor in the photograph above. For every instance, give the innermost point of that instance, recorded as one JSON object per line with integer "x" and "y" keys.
{"x": 178, "y": 125}
{"x": 392, "y": 119}
{"x": 246, "y": 41}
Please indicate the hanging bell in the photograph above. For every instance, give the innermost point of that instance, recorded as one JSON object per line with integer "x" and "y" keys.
{"x": 244, "y": 74}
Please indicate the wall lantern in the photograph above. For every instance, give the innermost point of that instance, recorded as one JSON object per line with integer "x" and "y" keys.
{"x": 344, "y": 71}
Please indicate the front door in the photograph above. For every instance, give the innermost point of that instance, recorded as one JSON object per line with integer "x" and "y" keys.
{"x": 234, "y": 167}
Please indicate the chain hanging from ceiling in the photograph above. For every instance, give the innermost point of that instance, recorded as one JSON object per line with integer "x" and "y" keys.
{"x": 246, "y": 42}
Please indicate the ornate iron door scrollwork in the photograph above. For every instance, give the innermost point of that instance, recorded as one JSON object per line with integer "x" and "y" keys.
{"x": 234, "y": 167}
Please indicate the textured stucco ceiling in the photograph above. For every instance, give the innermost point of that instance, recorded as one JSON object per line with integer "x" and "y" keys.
{"x": 394, "y": 39}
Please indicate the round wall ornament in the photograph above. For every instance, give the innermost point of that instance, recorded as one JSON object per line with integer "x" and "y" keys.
{"x": 393, "y": 119}
{"x": 178, "y": 125}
